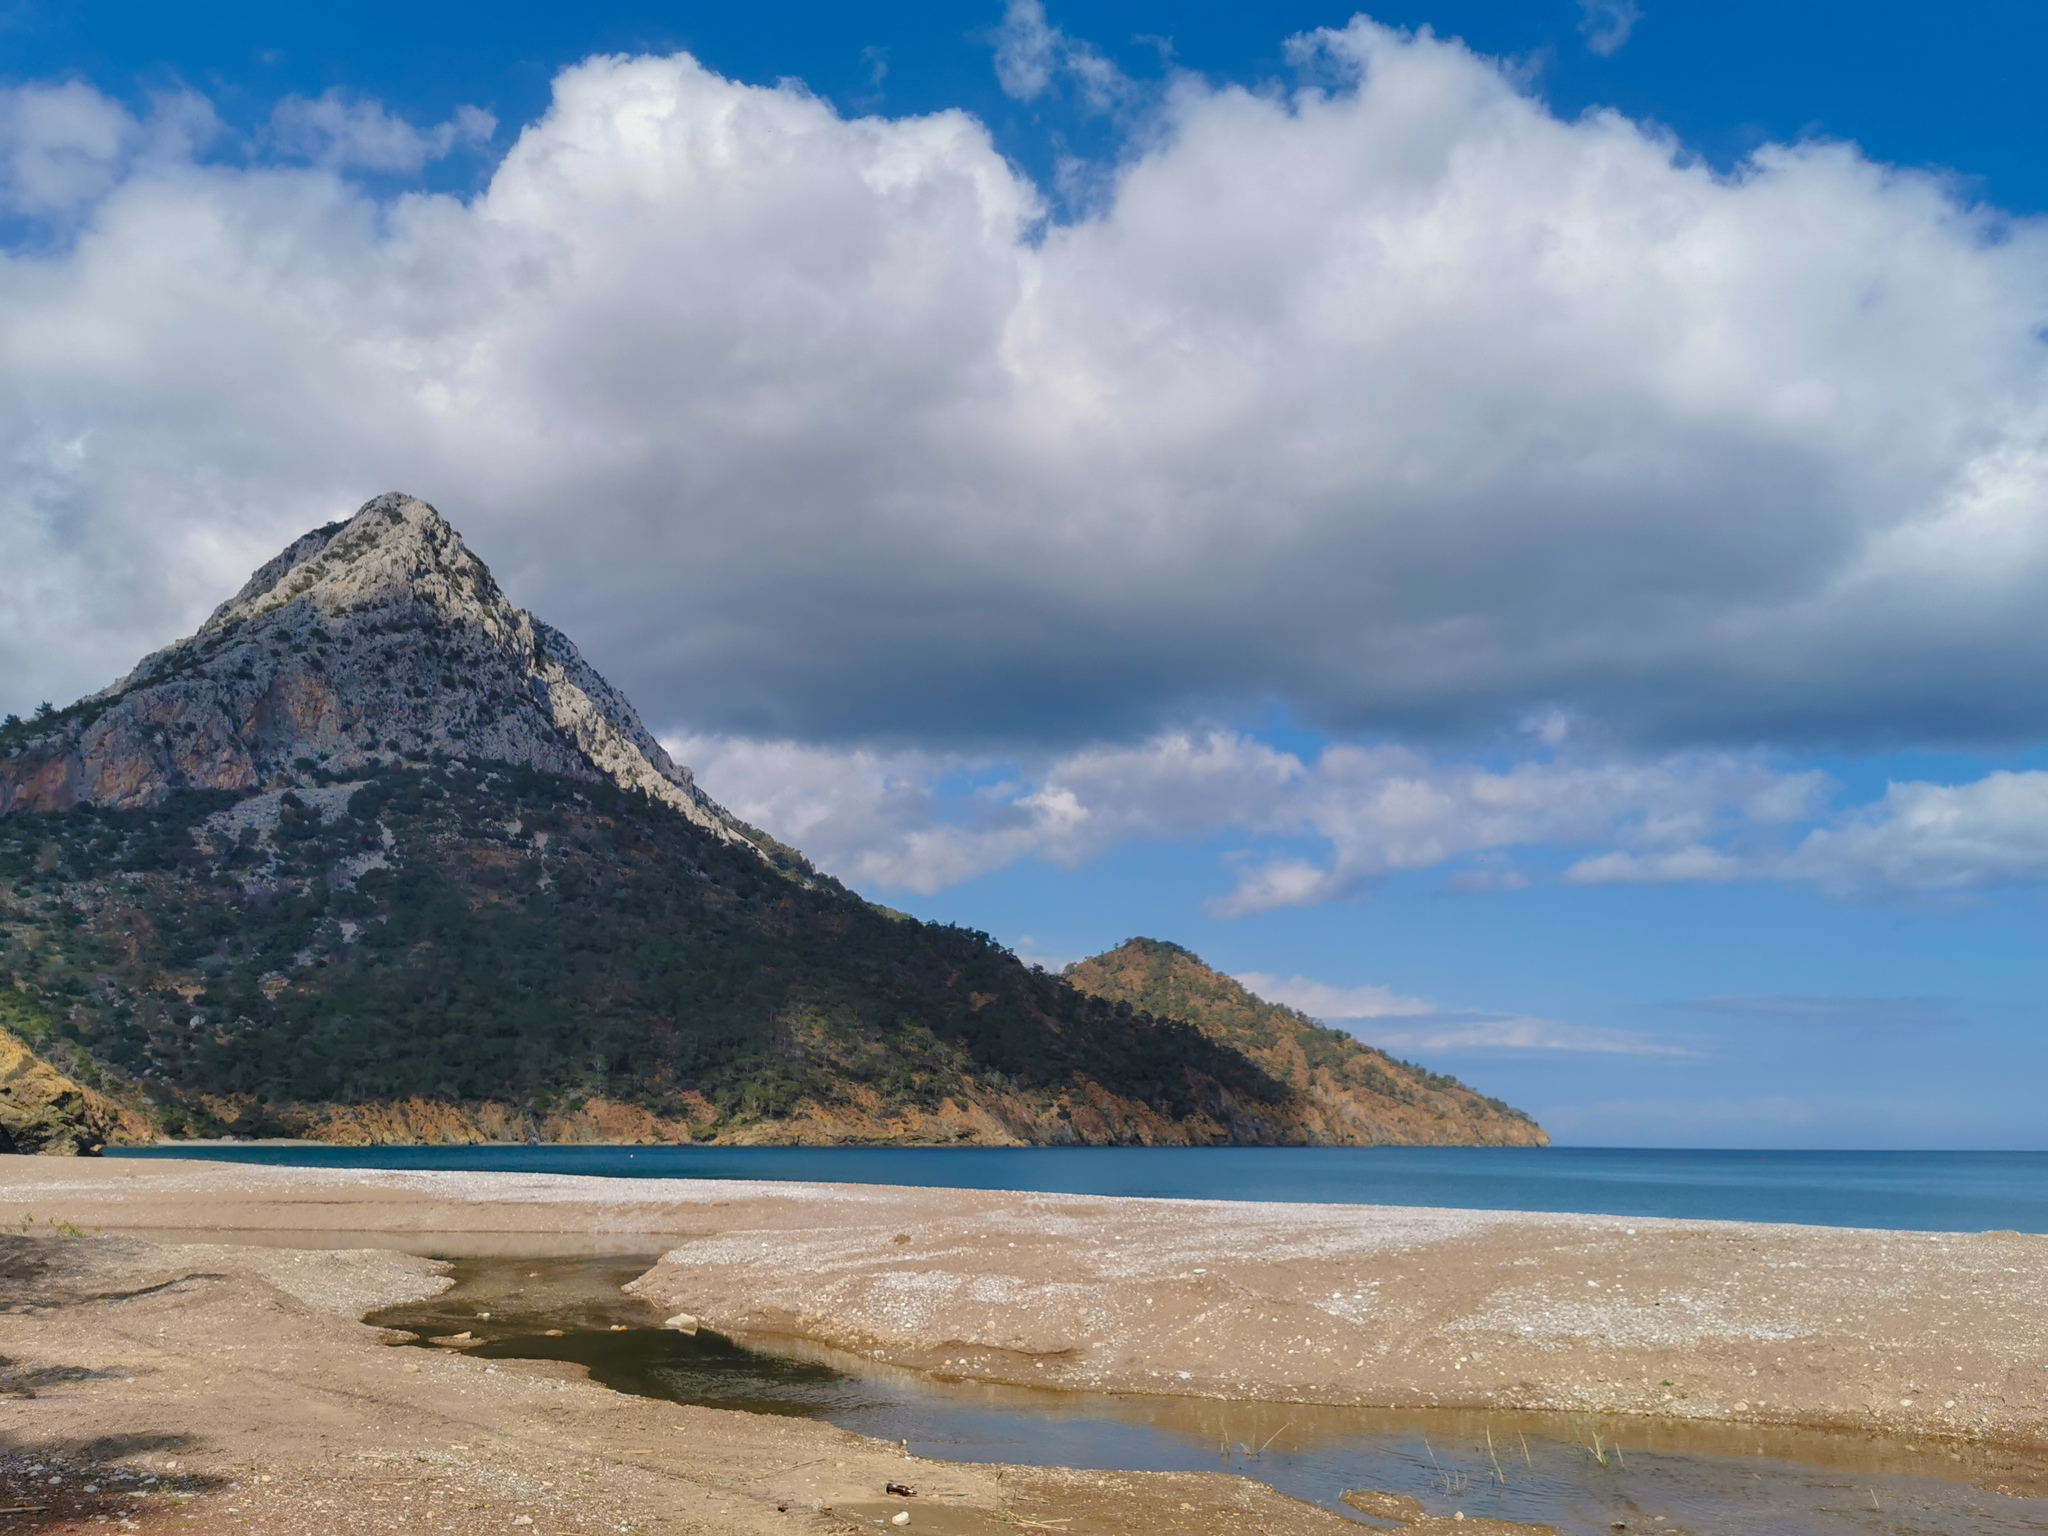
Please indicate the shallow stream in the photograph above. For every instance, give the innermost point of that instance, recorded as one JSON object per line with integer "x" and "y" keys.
{"x": 1587, "y": 1476}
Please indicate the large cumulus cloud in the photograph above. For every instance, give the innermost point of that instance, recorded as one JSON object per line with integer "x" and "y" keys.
{"x": 1388, "y": 394}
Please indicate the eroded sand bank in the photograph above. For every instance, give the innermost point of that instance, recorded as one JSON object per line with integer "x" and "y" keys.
{"x": 1380, "y": 1305}
{"x": 255, "y": 1353}
{"x": 201, "y": 1389}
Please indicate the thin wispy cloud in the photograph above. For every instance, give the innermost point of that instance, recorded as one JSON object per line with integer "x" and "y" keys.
{"x": 339, "y": 131}
{"x": 1936, "y": 839}
{"x": 1797, "y": 1009}
{"x": 1384, "y": 1018}
{"x": 1032, "y": 56}
{"x": 1454, "y": 1032}
{"x": 1607, "y": 24}
{"x": 1319, "y": 1000}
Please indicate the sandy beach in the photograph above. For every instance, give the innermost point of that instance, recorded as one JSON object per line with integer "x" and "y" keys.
{"x": 222, "y": 1332}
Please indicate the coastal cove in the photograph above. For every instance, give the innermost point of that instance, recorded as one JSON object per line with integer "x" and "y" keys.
{"x": 1899, "y": 1191}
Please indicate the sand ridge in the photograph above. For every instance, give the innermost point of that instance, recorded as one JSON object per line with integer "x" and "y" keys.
{"x": 213, "y": 1388}
{"x": 1901, "y": 1333}
{"x": 1895, "y": 1332}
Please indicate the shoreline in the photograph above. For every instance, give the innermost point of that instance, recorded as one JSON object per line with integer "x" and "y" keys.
{"x": 1746, "y": 1330}
{"x": 1828, "y": 1327}
{"x": 1960, "y": 1193}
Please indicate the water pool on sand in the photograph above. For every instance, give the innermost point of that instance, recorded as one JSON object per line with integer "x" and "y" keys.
{"x": 1582, "y": 1475}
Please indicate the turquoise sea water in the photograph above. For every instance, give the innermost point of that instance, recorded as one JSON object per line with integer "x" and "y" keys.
{"x": 1923, "y": 1191}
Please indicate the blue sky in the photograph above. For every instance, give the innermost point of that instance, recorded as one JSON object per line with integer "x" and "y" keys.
{"x": 1526, "y": 538}
{"x": 1910, "y": 87}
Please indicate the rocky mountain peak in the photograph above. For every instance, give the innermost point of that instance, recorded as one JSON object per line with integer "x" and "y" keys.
{"x": 395, "y": 555}
{"x": 376, "y": 639}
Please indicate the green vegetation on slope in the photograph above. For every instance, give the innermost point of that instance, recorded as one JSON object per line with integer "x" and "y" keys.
{"x": 488, "y": 932}
{"x": 1169, "y": 981}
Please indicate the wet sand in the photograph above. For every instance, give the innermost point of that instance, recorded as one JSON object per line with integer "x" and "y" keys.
{"x": 234, "y": 1358}
{"x": 193, "y": 1388}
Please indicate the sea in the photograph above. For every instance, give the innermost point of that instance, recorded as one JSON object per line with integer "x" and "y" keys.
{"x": 1911, "y": 1191}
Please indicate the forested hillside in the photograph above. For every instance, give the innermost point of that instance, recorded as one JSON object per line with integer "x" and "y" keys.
{"x": 1354, "y": 1092}
{"x": 377, "y": 856}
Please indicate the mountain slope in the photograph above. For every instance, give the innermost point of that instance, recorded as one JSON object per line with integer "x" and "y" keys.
{"x": 43, "y": 1110}
{"x": 376, "y": 856}
{"x": 376, "y": 636}
{"x": 465, "y": 951}
{"x": 1352, "y": 1094}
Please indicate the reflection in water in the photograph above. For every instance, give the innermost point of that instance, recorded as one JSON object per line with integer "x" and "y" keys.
{"x": 1580, "y": 1474}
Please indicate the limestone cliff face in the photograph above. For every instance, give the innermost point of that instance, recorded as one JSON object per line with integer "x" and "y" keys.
{"x": 381, "y": 637}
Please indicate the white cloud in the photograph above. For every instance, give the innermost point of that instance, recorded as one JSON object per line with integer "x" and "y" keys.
{"x": 882, "y": 818}
{"x": 1031, "y": 952}
{"x": 888, "y": 818}
{"x": 1498, "y": 1032}
{"x": 1031, "y": 54}
{"x": 872, "y": 819}
{"x": 1320, "y": 1000}
{"x": 60, "y": 146}
{"x": 338, "y": 130}
{"x": 1388, "y": 809}
{"x": 1694, "y": 863}
{"x": 1919, "y": 837}
{"x": 1935, "y": 837}
{"x": 1608, "y": 23}
{"x": 921, "y": 821}
{"x": 1394, "y": 398}
{"x": 1389, "y": 1021}
{"x": 1027, "y": 50}
{"x": 1802, "y": 1008}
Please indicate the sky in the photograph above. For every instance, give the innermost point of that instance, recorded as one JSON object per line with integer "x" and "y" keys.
{"x": 1519, "y": 530}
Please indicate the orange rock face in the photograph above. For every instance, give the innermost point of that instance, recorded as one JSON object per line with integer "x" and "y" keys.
{"x": 39, "y": 781}
{"x": 44, "y": 1111}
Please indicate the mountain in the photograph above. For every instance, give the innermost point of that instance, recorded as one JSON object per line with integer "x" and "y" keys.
{"x": 377, "y": 856}
{"x": 1349, "y": 1093}
{"x": 379, "y": 638}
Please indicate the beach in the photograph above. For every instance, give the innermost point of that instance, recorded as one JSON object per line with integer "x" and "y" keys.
{"x": 220, "y": 1329}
